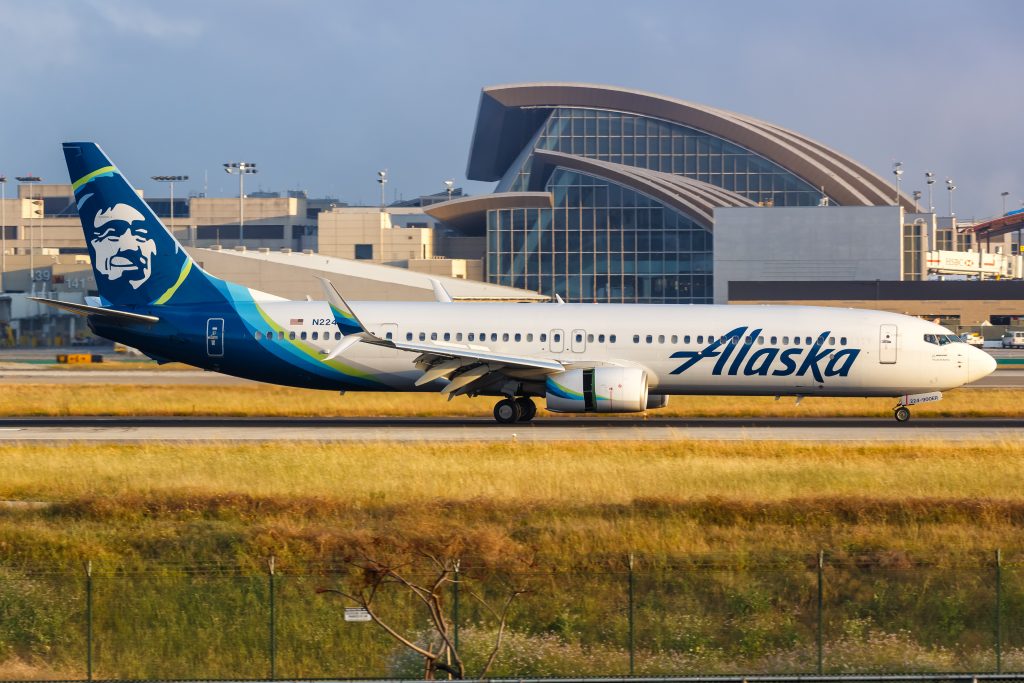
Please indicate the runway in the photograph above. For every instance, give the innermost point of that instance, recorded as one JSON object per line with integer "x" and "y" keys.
{"x": 141, "y": 429}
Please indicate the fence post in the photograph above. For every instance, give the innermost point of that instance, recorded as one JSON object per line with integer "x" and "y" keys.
{"x": 455, "y": 606}
{"x": 821, "y": 611}
{"x": 273, "y": 620}
{"x": 88, "y": 620}
{"x": 999, "y": 611}
{"x": 632, "y": 618}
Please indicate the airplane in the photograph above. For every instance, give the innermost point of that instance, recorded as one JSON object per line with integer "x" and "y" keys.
{"x": 578, "y": 358}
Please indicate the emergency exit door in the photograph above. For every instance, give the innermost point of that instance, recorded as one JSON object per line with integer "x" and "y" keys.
{"x": 887, "y": 344}
{"x": 215, "y": 337}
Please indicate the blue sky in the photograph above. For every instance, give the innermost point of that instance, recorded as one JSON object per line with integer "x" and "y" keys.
{"x": 320, "y": 94}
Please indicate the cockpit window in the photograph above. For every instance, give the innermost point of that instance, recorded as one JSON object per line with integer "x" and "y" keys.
{"x": 942, "y": 339}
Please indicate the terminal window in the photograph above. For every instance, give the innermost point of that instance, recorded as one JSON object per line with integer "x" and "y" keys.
{"x": 364, "y": 251}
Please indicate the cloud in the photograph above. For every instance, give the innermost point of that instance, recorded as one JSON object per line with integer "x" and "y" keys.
{"x": 34, "y": 35}
{"x": 139, "y": 19}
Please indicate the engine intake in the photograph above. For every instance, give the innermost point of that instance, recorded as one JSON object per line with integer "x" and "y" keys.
{"x": 597, "y": 390}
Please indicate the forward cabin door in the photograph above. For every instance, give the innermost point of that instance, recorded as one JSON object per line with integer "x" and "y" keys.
{"x": 215, "y": 337}
{"x": 887, "y": 344}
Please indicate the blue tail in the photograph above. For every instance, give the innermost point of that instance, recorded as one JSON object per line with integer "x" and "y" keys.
{"x": 136, "y": 260}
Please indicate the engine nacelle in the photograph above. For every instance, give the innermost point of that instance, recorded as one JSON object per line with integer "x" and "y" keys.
{"x": 597, "y": 390}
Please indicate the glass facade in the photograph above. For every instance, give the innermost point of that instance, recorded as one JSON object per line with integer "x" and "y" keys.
{"x": 645, "y": 142}
{"x": 601, "y": 243}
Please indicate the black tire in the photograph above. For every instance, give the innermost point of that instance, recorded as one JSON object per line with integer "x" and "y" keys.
{"x": 902, "y": 414}
{"x": 527, "y": 409}
{"x": 507, "y": 411}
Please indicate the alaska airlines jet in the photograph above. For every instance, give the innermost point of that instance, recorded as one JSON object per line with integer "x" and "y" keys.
{"x": 579, "y": 358}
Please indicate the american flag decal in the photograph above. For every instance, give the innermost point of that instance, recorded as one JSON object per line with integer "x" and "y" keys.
{"x": 296, "y": 321}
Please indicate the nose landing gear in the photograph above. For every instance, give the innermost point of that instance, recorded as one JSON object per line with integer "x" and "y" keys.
{"x": 509, "y": 411}
{"x": 901, "y": 413}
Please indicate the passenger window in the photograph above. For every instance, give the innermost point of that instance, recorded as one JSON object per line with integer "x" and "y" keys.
{"x": 700, "y": 338}
{"x": 337, "y": 336}
{"x": 686, "y": 339}
{"x": 785, "y": 341}
{"x": 675, "y": 339}
{"x": 494, "y": 336}
{"x": 711, "y": 339}
{"x": 649, "y": 339}
{"x": 291, "y": 335}
{"x": 808, "y": 340}
{"x": 280, "y": 335}
{"x": 543, "y": 336}
{"x": 774, "y": 340}
{"x": 518, "y": 337}
{"x": 760, "y": 340}
{"x": 636, "y": 338}
{"x": 316, "y": 335}
{"x": 259, "y": 335}
{"x": 600, "y": 339}
{"x": 796, "y": 341}
{"x": 831, "y": 341}
{"x": 504, "y": 337}
{"x": 408, "y": 336}
{"x": 433, "y": 336}
{"x": 842, "y": 341}
{"x": 611, "y": 339}
{"x": 423, "y": 336}
{"x": 557, "y": 337}
{"x": 661, "y": 339}
{"x": 590, "y": 339}
{"x": 579, "y": 338}
{"x": 471, "y": 336}
{"x": 389, "y": 336}
{"x": 458, "y": 336}
{"x": 529, "y": 336}
{"x": 303, "y": 335}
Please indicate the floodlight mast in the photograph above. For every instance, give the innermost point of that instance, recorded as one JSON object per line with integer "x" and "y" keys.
{"x": 897, "y": 170}
{"x": 29, "y": 180}
{"x": 929, "y": 178}
{"x": 241, "y": 168}
{"x": 382, "y": 178}
{"x": 170, "y": 179}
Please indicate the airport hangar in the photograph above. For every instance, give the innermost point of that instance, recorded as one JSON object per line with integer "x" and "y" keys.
{"x": 603, "y": 194}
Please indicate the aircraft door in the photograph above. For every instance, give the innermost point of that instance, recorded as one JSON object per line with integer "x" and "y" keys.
{"x": 887, "y": 344}
{"x": 556, "y": 342}
{"x": 389, "y": 331}
{"x": 215, "y": 337}
{"x": 579, "y": 341}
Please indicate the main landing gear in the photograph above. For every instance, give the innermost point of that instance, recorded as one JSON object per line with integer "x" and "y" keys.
{"x": 509, "y": 411}
{"x": 901, "y": 413}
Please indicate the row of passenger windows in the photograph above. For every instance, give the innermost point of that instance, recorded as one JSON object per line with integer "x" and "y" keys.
{"x": 578, "y": 338}
{"x": 749, "y": 339}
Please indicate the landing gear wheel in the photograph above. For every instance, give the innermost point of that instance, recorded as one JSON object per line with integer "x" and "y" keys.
{"x": 902, "y": 413}
{"x": 527, "y": 409}
{"x": 507, "y": 411}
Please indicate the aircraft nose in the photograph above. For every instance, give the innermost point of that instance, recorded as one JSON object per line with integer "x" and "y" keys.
{"x": 980, "y": 364}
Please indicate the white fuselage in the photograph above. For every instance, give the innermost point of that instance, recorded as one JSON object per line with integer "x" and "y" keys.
{"x": 768, "y": 350}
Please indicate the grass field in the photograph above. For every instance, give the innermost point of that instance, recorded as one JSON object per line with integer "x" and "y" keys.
{"x": 725, "y": 535}
{"x": 114, "y": 399}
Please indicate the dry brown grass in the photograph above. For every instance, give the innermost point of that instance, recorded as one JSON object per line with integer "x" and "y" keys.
{"x": 270, "y": 400}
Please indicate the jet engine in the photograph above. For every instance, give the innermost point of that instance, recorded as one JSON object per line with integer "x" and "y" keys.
{"x": 597, "y": 390}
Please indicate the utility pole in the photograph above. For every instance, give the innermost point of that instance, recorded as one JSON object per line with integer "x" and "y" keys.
{"x": 241, "y": 168}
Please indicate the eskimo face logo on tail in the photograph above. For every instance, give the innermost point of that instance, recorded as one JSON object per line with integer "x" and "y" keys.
{"x": 122, "y": 245}
{"x": 733, "y": 353}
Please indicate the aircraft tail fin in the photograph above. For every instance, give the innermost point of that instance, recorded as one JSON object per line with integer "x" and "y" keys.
{"x": 135, "y": 259}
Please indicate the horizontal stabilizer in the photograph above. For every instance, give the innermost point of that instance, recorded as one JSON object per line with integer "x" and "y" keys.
{"x": 83, "y": 309}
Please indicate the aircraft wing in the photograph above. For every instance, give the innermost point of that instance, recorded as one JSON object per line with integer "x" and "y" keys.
{"x": 83, "y": 309}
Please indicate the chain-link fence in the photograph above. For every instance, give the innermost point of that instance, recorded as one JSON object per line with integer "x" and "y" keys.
{"x": 627, "y": 617}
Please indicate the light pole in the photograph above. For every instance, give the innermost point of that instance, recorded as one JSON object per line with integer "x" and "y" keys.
{"x": 29, "y": 179}
{"x": 241, "y": 168}
{"x": 917, "y": 199}
{"x": 950, "y": 186}
{"x": 170, "y": 179}
{"x": 929, "y": 178}
{"x": 449, "y": 185}
{"x": 3, "y": 228}
{"x": 382, "y": 177}
{"x": 897, "y": 170}
{"x": 1004, "y": 195}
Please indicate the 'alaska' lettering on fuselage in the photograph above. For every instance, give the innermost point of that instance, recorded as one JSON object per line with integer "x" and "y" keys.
{"x": 736, "y": 344}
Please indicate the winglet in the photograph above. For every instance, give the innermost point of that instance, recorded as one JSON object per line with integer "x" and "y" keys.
{"x": 441, "y": 294}
{"x": 558, "y": 298}
{"x": 347, "y": 321}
